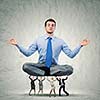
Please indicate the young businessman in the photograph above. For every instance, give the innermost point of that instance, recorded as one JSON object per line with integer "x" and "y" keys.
{"x": 49, "y": 48}
{"x": 32, "y": 84}
{"x": 62, "y": 85}
{"x": 41, "y": 84}
{"x": 52, "y": 80}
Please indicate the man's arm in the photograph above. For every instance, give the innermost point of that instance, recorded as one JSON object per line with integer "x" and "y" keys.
{"x": 73, "y": 53}
{"x": 48, "y": 79}
{"x": 36, "y": 79}
{"x": 66, "y": 78}
{"x": 43, "y": 79}
{"x": 27, "y": 52}
{"x": 57, "y": 79}
{"x": 30, "y": 77}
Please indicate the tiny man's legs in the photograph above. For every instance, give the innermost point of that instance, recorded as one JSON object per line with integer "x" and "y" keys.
{"x": 31, "y": 91}
{"x": 41, "y": 91}
{"x": 65, "y": 90}
{"x": 51, "y": 92}
{"x": 63, "y": 87}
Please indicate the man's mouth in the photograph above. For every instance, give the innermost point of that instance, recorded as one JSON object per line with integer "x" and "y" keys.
{"x": 50, "y": 32}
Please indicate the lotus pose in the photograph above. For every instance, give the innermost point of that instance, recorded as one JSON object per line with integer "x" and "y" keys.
{"x": 49, "y": 47}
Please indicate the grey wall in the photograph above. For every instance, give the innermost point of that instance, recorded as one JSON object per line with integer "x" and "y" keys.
{"x": 24, "y": 20}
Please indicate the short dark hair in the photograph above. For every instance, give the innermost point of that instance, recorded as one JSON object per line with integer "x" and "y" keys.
{"x": 51, "y": 20}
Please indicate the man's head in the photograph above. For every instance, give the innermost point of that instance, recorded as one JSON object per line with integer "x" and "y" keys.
{"x": 32, "y": 77}
{"x": 50, "y": 25}
{"x": 41, "y": 78}
{"x": 52, "y": 78}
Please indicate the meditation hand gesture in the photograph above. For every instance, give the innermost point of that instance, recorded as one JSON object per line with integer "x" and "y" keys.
{"x": 84, "y": 42}
{"x": 13, "y": 42}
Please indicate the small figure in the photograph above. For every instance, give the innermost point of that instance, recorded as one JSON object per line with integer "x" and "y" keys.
{"x": 52, "y": 86}
{"x": 62, "y": 85}
{"x": 41, "y": 84}
{"x": 32, "y": 84}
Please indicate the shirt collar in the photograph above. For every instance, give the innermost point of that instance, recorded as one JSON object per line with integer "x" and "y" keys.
{"x": 46, "y": 37}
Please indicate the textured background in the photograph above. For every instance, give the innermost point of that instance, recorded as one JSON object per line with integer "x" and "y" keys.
{"x": 24, "y": 20}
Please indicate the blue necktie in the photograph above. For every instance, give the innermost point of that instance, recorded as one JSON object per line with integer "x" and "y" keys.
{"x": 49, "y": 53}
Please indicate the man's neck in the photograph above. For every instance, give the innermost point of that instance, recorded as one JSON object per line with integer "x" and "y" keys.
{"x": 50, "y": 34}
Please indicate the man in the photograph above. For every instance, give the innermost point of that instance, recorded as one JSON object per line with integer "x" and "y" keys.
{"x": 49, "y": 48}
{"x": 62, "y": 85}
{"x": 32, "y": 84}
{"x": 41, "y": 84}
{"x": 52, "y": 80}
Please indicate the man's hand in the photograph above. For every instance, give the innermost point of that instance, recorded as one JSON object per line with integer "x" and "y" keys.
{"x": 12, "y": 41}
{"x": 66, "y": 77}
{"x": 84, "y": 42}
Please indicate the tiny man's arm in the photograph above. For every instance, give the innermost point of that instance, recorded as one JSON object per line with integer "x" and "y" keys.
{"x": 30, "y": 77}
{"x": 66, "y": 78}
{"x": 36, "y": 79}
{"x": 48, "y": 79}
{"x": 43, "y": 79}
{"x": 57, "y": 79}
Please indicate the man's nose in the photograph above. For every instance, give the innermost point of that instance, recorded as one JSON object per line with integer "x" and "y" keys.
{"x": 50, "y": 26}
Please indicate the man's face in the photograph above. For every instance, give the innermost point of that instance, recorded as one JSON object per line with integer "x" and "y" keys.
{"x": 32, "y": 77}
{"x": 50, "y": 27}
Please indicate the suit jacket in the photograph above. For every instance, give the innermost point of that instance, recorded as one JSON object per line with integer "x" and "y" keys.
{"x": 62, "y": 81}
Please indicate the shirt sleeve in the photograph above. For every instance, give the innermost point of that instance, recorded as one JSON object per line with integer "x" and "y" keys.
{"x": 69, "y": 52}
{"x": 28, "y": 52}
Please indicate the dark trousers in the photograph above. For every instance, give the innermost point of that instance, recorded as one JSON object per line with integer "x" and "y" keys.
{"x": 38, "y": 69}
{"x": 46, "y": 70}
{"x": 62, "y": 87}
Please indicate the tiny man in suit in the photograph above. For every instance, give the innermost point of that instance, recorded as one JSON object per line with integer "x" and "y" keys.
{"x": 32, "y": 84}
{"x": 62, "y": 85}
